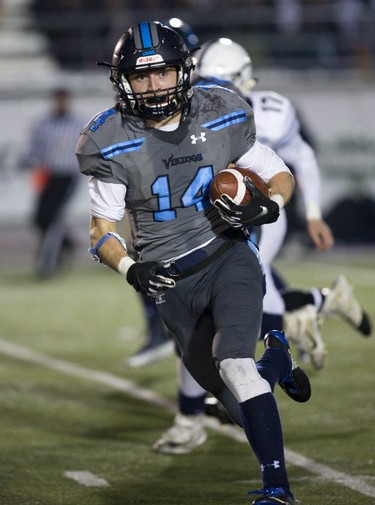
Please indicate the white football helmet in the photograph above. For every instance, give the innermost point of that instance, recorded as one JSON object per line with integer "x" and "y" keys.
{"x": 226, "y": 60}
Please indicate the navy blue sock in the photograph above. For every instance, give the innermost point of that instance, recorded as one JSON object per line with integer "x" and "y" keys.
{"x": 261, "y": 422}
{"x": 190, "y": 406}
{"x": 273, "y": 365}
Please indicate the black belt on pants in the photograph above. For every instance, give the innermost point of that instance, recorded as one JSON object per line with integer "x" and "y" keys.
{"x": 201, "y": 258}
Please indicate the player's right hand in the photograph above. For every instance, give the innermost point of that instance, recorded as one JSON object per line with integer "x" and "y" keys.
{"x": 260, "y": 210}
{"x": 230, "y": 216}
{"x": 144, "y": 278}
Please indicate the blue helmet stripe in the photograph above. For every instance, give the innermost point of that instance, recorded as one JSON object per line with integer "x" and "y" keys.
{"x": 227, "y": 120}
{"x": 146, "y": 35}
{"x": 122, "y": 147}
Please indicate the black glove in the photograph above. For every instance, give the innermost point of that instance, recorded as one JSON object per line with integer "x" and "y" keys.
{"x": 260, "y": 210}
{"x": 144, "y": 278}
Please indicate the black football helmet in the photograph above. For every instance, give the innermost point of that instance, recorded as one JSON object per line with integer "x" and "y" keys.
{"x": 150, "y": 45}
{"x": 186, "y": 32}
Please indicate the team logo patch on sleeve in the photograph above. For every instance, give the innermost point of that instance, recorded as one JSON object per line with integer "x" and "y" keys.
{"x": 100, "y": 118}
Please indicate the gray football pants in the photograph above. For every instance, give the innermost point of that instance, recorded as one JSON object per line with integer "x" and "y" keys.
{"x": 216, "y": 314}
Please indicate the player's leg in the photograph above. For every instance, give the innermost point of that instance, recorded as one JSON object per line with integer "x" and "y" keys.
{"x": 339, "y": 299}
{"x": 182, "y": 437}
{"x": 238, "y": 293}
{"x": 187, "y": 431}
{"x": 301, "y": 325}
{"x": 270, "y": 242}
{"x": 50, "y": 218}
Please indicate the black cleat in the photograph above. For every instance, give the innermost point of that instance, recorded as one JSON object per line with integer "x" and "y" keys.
{"x": 296, "y": 384}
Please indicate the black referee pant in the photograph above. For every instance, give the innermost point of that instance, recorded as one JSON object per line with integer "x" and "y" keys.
{"x": 49, "y": 219}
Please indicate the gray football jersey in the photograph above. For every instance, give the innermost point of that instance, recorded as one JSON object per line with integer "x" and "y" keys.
{"x": 168, "y": 174}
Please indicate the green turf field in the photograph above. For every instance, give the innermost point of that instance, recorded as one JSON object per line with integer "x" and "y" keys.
{"x": 68, "y": 404}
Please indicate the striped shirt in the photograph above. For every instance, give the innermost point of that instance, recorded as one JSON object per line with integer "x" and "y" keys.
{"x": 53, "y": 143}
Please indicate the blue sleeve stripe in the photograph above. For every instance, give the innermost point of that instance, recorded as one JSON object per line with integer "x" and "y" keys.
{"x": 122, "y": 147}
{"x": 227, "y": 120}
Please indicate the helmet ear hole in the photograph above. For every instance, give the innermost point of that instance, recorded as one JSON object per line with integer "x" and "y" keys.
{"x": 151, "y": 46}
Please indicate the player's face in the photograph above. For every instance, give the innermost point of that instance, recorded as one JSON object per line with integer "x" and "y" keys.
{"x": 153, "y": 80}
{"x": 155, "y": 88}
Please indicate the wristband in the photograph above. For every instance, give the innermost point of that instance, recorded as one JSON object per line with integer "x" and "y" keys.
{"x": 94, "y": 250}
{"x": 124, "y": 264}
{"x": 278, "y": 199}
{"x": 313, "y": 212}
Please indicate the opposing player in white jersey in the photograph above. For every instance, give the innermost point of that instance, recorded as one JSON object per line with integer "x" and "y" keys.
{"x": 224, "y": 62}
{"x": 279, "y": 128}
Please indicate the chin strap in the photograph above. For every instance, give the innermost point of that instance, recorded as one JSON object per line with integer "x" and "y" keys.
{"x": 94, "y": 250}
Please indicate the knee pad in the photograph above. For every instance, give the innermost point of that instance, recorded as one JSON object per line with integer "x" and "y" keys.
{"x": 243, "y": 379}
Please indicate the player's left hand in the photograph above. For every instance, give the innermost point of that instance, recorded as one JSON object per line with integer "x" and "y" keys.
{"x": 321, "y": 234}
{"x": 144, "y": 278}
{"x": 260, "y": 210}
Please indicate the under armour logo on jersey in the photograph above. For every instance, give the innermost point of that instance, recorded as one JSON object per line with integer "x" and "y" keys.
{"x": 201, "y": 137}
{"x": 275, "y": 464}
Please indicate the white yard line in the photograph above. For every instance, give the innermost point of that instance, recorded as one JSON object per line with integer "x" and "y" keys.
{"x": 87, "y": 479}
{"x": 25, "y": 354}
{"x": 68, "y": 368}
{"x": 328, "y": 473}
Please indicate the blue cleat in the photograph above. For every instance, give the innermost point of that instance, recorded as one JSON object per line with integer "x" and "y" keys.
{"x": 296, "y": 384}
{"x": 273, "y": 496}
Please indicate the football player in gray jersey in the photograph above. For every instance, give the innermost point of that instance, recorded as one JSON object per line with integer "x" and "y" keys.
{"x": 154, "y": 155}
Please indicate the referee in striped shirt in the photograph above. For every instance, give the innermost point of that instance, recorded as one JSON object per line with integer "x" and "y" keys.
{"x": 55, "y": 176}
